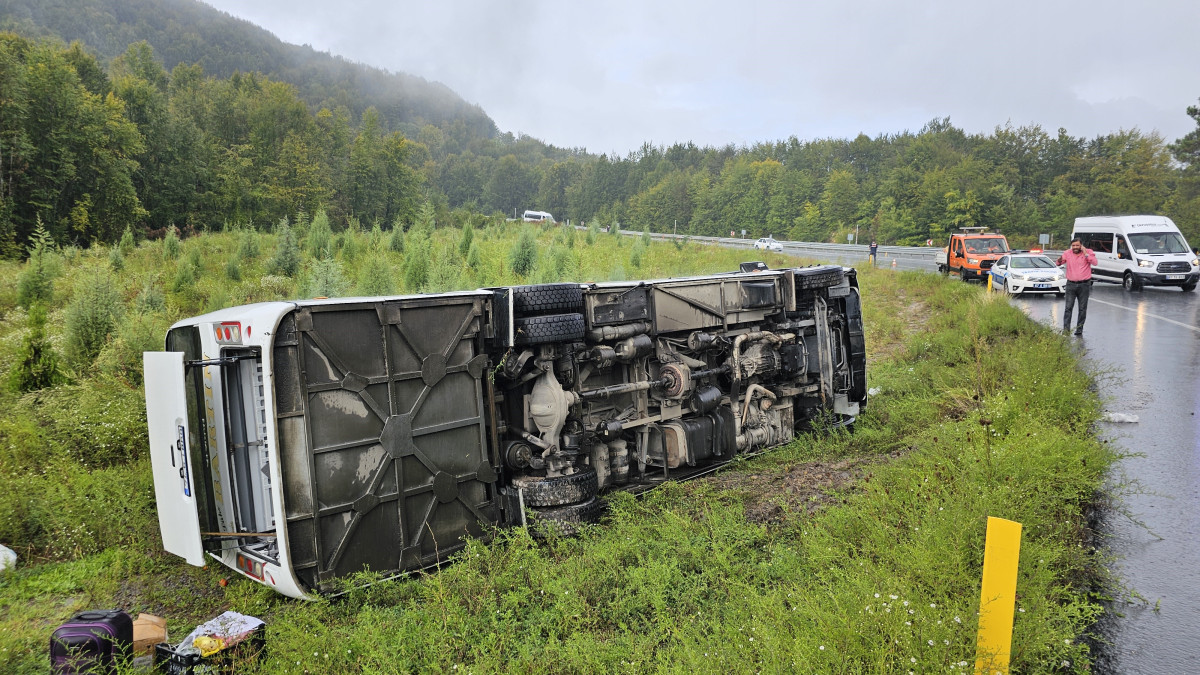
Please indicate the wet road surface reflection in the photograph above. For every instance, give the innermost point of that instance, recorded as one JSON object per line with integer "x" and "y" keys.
{"x": 1147, "y": 345}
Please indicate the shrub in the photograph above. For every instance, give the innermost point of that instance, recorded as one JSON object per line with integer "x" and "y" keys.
{"x": 127, "y": 243}
{"x": 149, "y": 299}
{"x": 137, "y": 333}
{"x": 416, "y": 262}
{"x": 286, "y": 261}
{"x": 635, "y": 255}
{"x": 474, "y": 257}
{"x": 116, "y": 260}
{"x": 36, "y": 283}
{"x": 170, "y": 245}
{"x": 468, "y": 236}
{"x": 646, "y": 236}
{"x": 593, "y": 231}
{"x": 232, "y": 270}
{"x": 37, "y": 365}
{"x": 376, "y": 277}
{"x": 524, "y": 253}
{"x": 185, "y": 278}
{"x": 446, "y": 272}
{"x": 91, "y": 316}
{"x": 569, "y": 236}
{"x": 396, "y": 241}
{"x": 248, "y": 245}
{"x": 320, "y": 237}
{"x": 349, "y": 245}
{"x": 326, "y": 279}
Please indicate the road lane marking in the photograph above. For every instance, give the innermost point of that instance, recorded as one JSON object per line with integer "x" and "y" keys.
{"x": 1154, "y": 316}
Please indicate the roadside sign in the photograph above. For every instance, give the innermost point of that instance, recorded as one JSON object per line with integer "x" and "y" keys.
{"x": 850, "y": 237}
{"x": 1043, "y": 239}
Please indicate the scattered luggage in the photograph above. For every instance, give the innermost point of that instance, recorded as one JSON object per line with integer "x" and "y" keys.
{"x": 91, "y": 642}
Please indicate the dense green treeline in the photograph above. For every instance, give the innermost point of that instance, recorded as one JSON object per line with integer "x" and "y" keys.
{"x": 191, "y": 32}
{"x": 90, "y": 151}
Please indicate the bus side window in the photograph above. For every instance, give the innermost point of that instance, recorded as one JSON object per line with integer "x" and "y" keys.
{"x": 1122, "y": 248}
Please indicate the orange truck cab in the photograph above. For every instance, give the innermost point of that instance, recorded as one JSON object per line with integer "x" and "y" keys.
{"x": 972, "y": 252}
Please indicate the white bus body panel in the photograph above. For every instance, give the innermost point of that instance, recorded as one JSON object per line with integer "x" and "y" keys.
{"x": 170, "y": 448}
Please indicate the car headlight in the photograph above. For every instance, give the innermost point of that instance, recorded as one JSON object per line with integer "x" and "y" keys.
{"x": 1195, "y": 262}
{"x": 972, "y": 261}
{"x": 1145, "y": 263}
{"x": 1017, "y": 275}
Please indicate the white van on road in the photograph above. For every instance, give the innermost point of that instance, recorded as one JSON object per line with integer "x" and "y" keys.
{"x": 1136, "y": 251}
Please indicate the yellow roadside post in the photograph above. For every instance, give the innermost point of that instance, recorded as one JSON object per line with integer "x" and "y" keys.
{"x": 989, "y": 282}
{"x": 997, "y": 596}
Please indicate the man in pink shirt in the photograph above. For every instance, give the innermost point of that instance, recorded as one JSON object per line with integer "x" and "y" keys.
{"x": 1079, "y": 262}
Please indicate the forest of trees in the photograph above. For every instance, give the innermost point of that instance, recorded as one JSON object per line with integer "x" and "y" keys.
{"x": 90, "y": 148}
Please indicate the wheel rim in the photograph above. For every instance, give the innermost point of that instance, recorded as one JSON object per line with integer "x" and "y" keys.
{"x": 1127, "y": 282}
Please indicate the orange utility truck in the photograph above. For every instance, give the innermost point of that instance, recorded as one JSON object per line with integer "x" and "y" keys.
{"x": 971, "y": 252}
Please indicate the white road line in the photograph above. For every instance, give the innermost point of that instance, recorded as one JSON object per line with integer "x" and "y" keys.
{"x": 1155, "y": 316}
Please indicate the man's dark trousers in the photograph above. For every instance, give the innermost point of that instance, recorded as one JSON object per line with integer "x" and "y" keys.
{"x": 1081, "y": 290}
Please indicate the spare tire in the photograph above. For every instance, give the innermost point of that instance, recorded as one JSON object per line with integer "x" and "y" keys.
{"x": 547, "y": 299}
{"x": 558, "y": 490}
{"x": 536, "y": 330}
{"x": 565, "y": 521}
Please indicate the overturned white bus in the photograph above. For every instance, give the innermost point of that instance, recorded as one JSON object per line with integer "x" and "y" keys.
{"x": 301, "y": 442}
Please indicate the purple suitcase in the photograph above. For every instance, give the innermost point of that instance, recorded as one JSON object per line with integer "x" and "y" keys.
{"x": 91, "y": 642}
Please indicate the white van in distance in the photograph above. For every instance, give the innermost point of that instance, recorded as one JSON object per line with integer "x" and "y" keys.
{"x": 537, "y": 217}
{"x": 1136, "y": 251}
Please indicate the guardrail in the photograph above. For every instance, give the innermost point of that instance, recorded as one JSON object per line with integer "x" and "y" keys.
{"x": 855, "y": 251}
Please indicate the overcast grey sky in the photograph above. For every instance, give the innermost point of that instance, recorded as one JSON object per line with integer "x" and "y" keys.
{"x": 609, "y": 76}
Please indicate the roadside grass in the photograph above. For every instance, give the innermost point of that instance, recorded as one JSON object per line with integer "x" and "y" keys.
{"x": 980, "y": 412}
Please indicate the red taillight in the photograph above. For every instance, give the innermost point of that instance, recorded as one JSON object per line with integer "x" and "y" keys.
{"x": 228, "y": 332}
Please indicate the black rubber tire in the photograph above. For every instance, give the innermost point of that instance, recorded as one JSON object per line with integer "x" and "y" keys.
{"x": 1130, "y": 282}
{"x": 559, "y": 490}
{"x": 547, "y": 299}
{"x": 536, "y": 330}
{"x": 565, "y": 521}
{"x": 1187, "y": 288}
{"x": 1008, "y": 289}
{"x": 962, "y": 275}
{"x": 823, "y": 276}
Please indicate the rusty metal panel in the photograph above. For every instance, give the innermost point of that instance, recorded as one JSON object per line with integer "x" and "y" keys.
{"x": 382, "y": 434}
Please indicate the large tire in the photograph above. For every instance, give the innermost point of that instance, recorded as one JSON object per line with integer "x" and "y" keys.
{"x": 1188, "y": 288}
{"x": 821, "y": 276}
{"x": 1130, "y": 282}
{"x": 565, "y": 521}
{"x": 540, "y": 491}
{"x": 1008, "y": 288}
{"x": 547, "y": 299}
{"x": 536, "y": 330}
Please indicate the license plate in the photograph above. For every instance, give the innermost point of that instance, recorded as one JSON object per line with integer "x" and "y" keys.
{"x": 1041, "y": 285}
{"x": 1173, "y": 277}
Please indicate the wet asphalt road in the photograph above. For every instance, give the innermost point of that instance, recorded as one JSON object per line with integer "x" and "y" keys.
{"x": 1148, "y": 344}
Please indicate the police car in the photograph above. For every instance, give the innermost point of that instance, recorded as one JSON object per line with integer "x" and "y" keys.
{"x": 1022, "y": 272}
